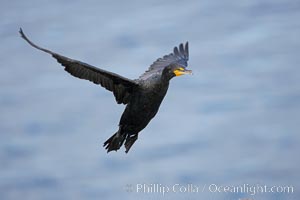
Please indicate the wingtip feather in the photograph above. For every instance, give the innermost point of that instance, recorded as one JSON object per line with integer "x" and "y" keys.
{"x": 186, "y": 49}
{"x": 176, "y": 51}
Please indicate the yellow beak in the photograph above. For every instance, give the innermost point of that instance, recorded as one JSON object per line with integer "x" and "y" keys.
{"x": 182, "y": 71}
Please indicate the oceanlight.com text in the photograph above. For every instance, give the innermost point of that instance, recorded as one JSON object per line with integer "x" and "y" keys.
{"x": 251, "y": 189}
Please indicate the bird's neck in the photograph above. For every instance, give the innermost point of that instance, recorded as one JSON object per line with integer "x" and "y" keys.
{"x": 166, "y": 77}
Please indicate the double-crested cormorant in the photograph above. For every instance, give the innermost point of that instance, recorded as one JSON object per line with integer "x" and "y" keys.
{"x": 143, "y": 96}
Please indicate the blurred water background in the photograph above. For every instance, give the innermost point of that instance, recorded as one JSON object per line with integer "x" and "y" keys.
{"x": 235, "y": 121}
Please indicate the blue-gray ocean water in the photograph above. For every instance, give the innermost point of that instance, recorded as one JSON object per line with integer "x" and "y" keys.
{"x": 235, "y": 122}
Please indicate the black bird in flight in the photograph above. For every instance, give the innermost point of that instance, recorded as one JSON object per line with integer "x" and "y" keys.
{"x": 142, "y": 96}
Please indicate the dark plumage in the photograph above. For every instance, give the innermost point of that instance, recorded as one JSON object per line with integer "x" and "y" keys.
{"x": 143, "y": 96}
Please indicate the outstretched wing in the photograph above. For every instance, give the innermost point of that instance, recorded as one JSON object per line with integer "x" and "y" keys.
{"x": 121, "y": 87}
{"x": 180, "y": 56}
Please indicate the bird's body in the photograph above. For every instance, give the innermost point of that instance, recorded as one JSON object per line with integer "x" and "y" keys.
{"x": 142, "y": 107}
{"x": 145, "y": 102}
{"x": 143, "y": 96}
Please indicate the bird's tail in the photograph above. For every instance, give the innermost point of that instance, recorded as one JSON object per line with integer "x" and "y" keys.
{"x": 116, "y": 141}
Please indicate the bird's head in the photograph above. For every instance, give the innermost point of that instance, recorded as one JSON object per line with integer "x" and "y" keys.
{"x": 175, "y": 70}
